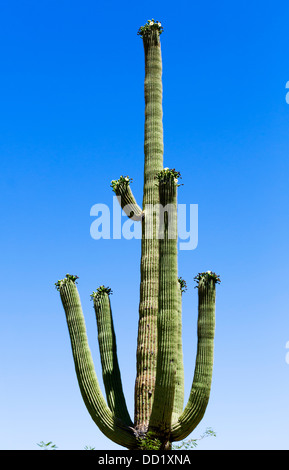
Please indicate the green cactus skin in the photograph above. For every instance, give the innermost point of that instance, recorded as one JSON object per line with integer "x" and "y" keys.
{"x": 108, "y": 354}
{"x": 148, "y": 307}
{"x": 180, "y": 385}
{"x": 111, "y": 426}
{"x": 159, "y": 414}
{"x": 201, "y": 386}
{"x": 126, "y": 199}
{"x": 167, "y": 326}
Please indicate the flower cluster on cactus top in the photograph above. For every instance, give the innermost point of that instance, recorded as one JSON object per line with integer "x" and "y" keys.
{"x": 100, "y": 291}
{"x": 168, "y": 174}
{"x": 183, "y": 284}
{"x": 68, "y": 277}
{"x": 151, "y": 25}
{"x": 206, "y": 276}
{"x": 122, "y": 181}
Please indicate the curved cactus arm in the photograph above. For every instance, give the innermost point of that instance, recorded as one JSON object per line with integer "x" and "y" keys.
{"x": 179, "y": 391}
{"x": 168, "y": 320}
{"x": 126, "y": 199}
{"x": 110, "y": 425}
{"x": 108, "y": 354}
{"x": 200, "y": 391}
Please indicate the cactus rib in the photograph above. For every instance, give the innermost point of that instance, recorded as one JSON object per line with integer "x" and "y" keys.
{"x": 108, "y": 354}
{"x": 162, "y": 409}
{"x": 126, "y": 199}
{"x": 148, "y": 306}
{"x": 108, "y": 423}
{"x": 200, "y": 391}
{"x": 179, "y": 388}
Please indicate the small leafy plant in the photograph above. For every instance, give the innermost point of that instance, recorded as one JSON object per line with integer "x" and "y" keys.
{"x": 149, "y": 442}
{"x": 50, "y": 446}
{"x": 47, "y": 445}
{"x": 191, "y": 444}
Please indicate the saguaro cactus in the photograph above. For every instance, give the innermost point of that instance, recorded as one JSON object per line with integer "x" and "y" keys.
{"x": 159, "y": 415}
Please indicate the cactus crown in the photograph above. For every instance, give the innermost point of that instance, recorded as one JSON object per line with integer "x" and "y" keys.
{"x": 166, "y": 175}
{"x": 183, "y": 284}
{"x": 68, "y": 278}
{"x": 122, "y": 181}
{"x": 100, "y": 291}
{"x": 204, "y": 278}
{"x": 151, "y": 25}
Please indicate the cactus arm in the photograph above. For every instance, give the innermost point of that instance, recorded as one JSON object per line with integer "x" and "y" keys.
{"x": 108, "y": 354}
{"x": 111, "y": 426}
{"x": 126, "y": 199}
{"x": 168, "y": 320}
{"x": 200, "y": 391}
{"x": 148, "y": 307}
{"x": 179, "y": 391}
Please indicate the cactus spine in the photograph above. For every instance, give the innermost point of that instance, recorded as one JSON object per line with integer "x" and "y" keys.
{"x": 159, "y": 385}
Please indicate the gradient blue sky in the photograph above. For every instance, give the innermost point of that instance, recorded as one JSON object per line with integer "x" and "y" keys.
{"x": 71, "y": 120}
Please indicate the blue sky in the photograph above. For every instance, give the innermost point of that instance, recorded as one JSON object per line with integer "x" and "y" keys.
{"x": 71, "y": 120}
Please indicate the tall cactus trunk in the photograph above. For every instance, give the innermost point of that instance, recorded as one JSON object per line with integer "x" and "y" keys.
{"x": 159, "y": 415}
{"x": 148, "y": 307}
